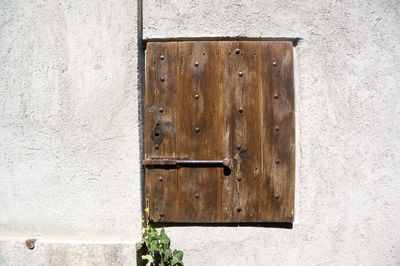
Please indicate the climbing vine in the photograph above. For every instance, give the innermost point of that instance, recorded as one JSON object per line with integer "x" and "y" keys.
{"x": 158, "y": 247}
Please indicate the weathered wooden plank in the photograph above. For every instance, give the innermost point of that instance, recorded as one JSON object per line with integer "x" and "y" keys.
{"x": 161, "y": 109}
{"x": 240, "y": 85}
{"x": 247, "y": 116}
{"x": 198, "y": 131}
{"x": 277, "y": 189}
{"x": 229, "y": 99}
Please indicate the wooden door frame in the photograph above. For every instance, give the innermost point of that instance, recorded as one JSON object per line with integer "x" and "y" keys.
{"x": 142, "y": 43}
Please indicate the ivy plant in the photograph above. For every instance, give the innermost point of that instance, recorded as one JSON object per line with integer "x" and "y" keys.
{"x": 158, "y": 246}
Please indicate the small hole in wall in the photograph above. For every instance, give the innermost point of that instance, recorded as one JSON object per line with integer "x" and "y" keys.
{"x": 156, "y": 134}
{"x": 229, "y": 53}
{"x": 204, "y": 53}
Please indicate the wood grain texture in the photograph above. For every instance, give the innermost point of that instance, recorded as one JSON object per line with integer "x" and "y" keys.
{"x": 240, "y": 86}
{"x": 277, "y": 189}
{"x": 198, "y": 130}
{"x": 220, "y": 102}
{"x": 161, "y": 81}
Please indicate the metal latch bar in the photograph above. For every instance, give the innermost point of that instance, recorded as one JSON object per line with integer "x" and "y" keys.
{"x": 150, "y": 160}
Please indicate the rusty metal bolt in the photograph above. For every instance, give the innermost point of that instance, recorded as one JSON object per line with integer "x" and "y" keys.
{"x": 196, "y": 96}
{"x": 239, "y": 178}
{"x": 162, "y": 57}
{"x": 161, "y": 109}
{"x": 226, "y": 162}
{"x": 196, "y": 195}
{"x": 274, "y": 63}
{"x": 30, "y": 243}
{"x": 196, "y": 63}
{"x": 162, "y": 78}
{"x": 197, "y": 129}
{"x": 161, "y": 214}
{"x": 276, "y": 95}
{"x": 240, "y": 74}
{"x": 240, "y": 110}
{"x": 237, "y": 51}
{"x": 239, "y": 209}
{"x": 160, "y": 179}
{"x": 277, "y": 161}
{"x": 276, "y": 128}
{"x": 238, "y": 146}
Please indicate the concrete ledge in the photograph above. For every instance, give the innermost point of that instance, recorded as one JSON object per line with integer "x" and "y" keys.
{"x": 15, "y": 252}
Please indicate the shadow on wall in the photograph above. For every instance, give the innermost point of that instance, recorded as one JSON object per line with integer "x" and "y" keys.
{"x": 271, "y": 225}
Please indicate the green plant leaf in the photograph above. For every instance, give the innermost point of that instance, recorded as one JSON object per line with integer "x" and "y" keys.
{"x": 158, "y": 245}
{"x": 154, "y": 246}
{"x": 148, "y": 257}
{"x": 164, "y": 239}
{"x": 152, "y": 234}
{"x": 177, "y": 257}
{"x": 167, "y": 255}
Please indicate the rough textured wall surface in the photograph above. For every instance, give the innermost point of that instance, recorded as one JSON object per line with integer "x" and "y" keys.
{"x": 348, "y": 129}
{"x": 69, "y": 138}
{"x": 67, "y": 253}
{"x": 69, "y": 145}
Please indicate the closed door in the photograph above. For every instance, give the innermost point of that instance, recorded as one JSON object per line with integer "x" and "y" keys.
{"x": 219, "y": 131}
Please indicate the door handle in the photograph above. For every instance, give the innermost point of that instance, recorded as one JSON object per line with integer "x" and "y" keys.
{"x": 174, "y": 161}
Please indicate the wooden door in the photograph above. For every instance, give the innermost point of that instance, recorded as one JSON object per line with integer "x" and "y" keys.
{"x": 207, "y": 101}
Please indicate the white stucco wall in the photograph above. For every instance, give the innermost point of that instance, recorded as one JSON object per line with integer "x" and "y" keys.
{"x": 348, "y": 125}
{"x": 69, "y": 137}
